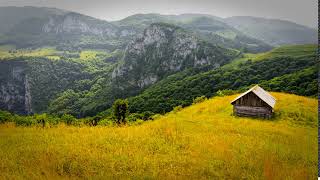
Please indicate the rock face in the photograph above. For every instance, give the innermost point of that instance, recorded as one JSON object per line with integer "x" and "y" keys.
{"x": 14, "y": 87}
{"x": 76, "y": 23}
{"x": 164, "y": 49}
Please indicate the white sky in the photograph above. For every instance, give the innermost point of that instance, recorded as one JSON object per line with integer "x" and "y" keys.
{"x": 300, "y": 11}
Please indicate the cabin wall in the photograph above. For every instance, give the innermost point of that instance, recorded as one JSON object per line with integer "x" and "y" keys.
{"x": 264, "y": 112}
{"x": 251, "y": 105}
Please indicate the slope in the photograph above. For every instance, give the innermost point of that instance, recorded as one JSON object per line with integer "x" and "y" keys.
{"x": 273, "y": 31}
{"x": 203, "y": 141}
{"x": 182, "y": 88}
{"x": 162, "y": 50}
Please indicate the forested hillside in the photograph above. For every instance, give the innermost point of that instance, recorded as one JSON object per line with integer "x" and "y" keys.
{"x": 285, "y": 69}
{"x": 162, "y": 50}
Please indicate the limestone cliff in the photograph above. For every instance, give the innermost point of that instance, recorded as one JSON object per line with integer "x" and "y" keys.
{"x": 14, "y": 87}
{"x": 164, "y": 49}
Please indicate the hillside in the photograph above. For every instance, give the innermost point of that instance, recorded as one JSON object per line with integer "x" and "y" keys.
{"x": 273, "y": 31}
{"x": 296, "y": 65}
{"x": 29, "y": 80}
{"x": 200, "y": 141}
{"x": 162, "y": 50}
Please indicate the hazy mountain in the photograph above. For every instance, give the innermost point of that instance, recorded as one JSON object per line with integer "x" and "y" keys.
{"x": 273, "y": 31}
{"x": 11, "y": 16}
{"x": 63, "y": 29}
{"x": 73, "y": 31}
{"x": 207, "y": 27}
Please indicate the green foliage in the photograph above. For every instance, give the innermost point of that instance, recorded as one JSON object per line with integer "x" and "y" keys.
{"x": 199, "y": 99}
{"x": 182, "y": 88}
{"x": 5, "y": 116}
{"x": 120, "y": 110}
{"x": 68, "y": 119}
{"x": 226, "y": 92}
{"x": 177, "y": 109}
{"x": 25, "y": 120}
{"x": 106, "y": 122}
{"x": 302, "y": 82}
{"x": 140, "y": 116}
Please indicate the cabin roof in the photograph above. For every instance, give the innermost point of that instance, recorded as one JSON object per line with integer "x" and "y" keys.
{"x": 261, "y": 93}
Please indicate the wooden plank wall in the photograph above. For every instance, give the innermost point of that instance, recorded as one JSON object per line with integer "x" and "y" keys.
{"x": 264, "y": 112}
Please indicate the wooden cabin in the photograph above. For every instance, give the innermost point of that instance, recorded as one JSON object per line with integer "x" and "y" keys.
{"x": 256, "y": 102}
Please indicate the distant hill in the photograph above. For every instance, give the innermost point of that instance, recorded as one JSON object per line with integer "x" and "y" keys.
{"x": 34, "y": 27}
{"x": 273, "y": 31}
{"x": 12, "y": 16}
{"x": 210, "y": 28}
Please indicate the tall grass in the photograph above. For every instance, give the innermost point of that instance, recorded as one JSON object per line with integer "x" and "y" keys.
{"x": 198, "y": 142}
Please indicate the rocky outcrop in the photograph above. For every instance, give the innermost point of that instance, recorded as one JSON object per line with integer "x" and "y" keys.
{"x": 164, "y": 49}
{"x": 76, "y": 23}
{"x": 14, "y": 87}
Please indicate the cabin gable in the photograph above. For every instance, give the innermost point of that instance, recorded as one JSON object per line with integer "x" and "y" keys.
{"x": 256, "y": 102}
{"x": 250, "y": 99}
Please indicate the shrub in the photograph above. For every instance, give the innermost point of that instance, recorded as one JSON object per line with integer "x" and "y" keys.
{"x": 147, "y": 115}
{"x": 105, "y": 122}
{"x": 5, "y": 116}
{"x": 68, "y": 119}
{"x": 176, "y": 109}
{"x": 24, "y": 121}
{"x": 199, "y": 99}
{"x": 120, "y": 110}
{"x": 225, "y": 92}
{"x": 134, "y": 116}
{"x": 137, "y": 122}
{"x": 41, "y": 119}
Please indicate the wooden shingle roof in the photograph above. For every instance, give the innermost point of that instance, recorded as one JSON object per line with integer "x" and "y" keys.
{"x": 261, "y": 93}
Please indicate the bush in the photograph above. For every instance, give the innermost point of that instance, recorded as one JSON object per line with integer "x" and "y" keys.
{"x": 105, "y": 122}
{"x": 176, "y": 109}
{"x": 147, "y": 115}
{"x": 41, "y": 119}
{"x": 5, "y": 116}
{"x": 225, "y": 92}
{"x": 24, "y": 121}
{"x": 137, "y": 122}
{"x": 120, "y": 110}
{"x": 134, "y": 116}
{"x": 68, "y": 119}
{"x": 199, "y": 99}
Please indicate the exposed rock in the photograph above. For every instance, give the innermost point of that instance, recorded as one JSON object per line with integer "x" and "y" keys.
{"x": 14, "y": 87}
{"x": 164, "y": 49}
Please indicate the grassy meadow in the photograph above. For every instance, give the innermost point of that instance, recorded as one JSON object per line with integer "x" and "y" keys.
{"x": 198, "y": 142}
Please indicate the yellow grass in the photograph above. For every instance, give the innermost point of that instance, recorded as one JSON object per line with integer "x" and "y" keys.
{"x": 200, "y": 142}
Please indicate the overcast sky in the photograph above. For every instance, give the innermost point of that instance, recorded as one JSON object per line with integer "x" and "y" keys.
{"x": 300, "y": 11}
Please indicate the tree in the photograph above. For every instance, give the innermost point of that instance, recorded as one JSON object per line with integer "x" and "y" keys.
{"x": 120, "y": 110}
